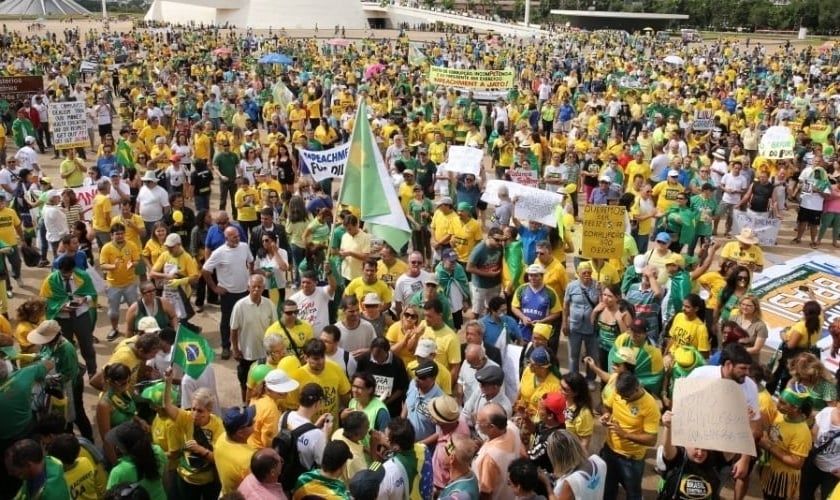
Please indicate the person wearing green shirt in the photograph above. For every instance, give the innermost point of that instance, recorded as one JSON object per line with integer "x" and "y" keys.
{"x": 224, "y": 167}
{"x": 42, "y": 475}
{"x": 681, "y": 220}
{"x": 707, "y": 208}
{"x": 60, "y": 350}
{"x": 420, "y": 210}
{"x": 22, "y": 128}
{"x": 139, "y": 461}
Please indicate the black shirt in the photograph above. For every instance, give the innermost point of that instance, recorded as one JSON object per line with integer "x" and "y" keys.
{"x": 688, "y": 480}
{"x": 390, "y": 374}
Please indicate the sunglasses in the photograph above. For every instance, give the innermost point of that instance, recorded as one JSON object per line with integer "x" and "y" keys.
{"x": 409, "y": 316}
{"x": 290, "y": 312}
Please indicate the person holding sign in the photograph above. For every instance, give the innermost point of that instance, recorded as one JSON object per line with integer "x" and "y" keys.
{"x": 689, "y": 472}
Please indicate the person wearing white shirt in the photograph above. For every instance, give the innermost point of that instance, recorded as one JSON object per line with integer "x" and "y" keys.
{"x": 233, "y": 263}
{"x": 250, "y": 318}
{"x": 733, "y": 185}
{"x": 120, "y": 191}
{"x": 475, "y": 358}
{"x": 331, "y": 336}
{"x": 396, "y": 483}
{"x": 314, "y": 301}
{"x": 26, "y": 156}
{"x": 312, "y": 442}
{"x": 152, "y": 201}
{"x": 55, "y": 221}
{"x": 410, "y": 282}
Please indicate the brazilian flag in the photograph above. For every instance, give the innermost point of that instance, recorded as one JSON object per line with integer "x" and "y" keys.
{"x": 191, "y": 352}
{"x": 124, "y": 155}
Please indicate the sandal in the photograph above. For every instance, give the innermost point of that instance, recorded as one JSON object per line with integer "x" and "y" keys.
{"x": 796, "y": 240}
{"x": 814, "y": 245}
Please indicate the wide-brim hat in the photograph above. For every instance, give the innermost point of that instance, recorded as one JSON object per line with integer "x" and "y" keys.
{"x": 747, "y": 236}
{"x": 149, "y": 176}
{"x": 45, "y": 333}
{"x": 444, "y": 409}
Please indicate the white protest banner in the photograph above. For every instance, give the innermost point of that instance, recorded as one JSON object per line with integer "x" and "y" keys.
{"x": 511, "y": 356}
{"x": 532, "y": 204}
{"x": 524, "y": 176}
{"x": 766, "y": 228}
{"x": 777, "y": 142}
{"x": 325, "y": 164}
{"x": 465, "y": 160}
{"x": 68, "y": 124}
{"x": 703, "y": 120}
{"x": 711, "y": 413}
{"x": 85, "y": 195}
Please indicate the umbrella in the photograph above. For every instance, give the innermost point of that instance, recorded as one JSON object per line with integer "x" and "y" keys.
{"x": 373, "y": 70}
{"x": 275, "y": 58}
{"x": 672, "y": 59}
{"x": 826, "y": 47}
{"x": 339, "y": 42}
{"x": 221, "y": 51}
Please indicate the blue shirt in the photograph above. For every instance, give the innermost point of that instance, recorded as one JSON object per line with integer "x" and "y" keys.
{"x": 216, "y": 236}
{"x": 418, "y": 410}
{"x": 529, "y": 240}
{"x": 492, "y": 330}
{"x": 80, "y": 258}
{"x": 106, "y": 165}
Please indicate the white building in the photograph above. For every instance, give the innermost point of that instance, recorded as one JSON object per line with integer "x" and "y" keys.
{"x": 262, "y": 14}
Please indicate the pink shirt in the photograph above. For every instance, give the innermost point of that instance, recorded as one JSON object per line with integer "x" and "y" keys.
{"x": 832, "y": 203}
{"x": 252, "y": 489}
{"x": 439, "y": 465}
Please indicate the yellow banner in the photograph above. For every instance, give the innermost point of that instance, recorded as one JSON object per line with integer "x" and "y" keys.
{"x": 603, "y": 232}
{"x": 472, "y": 79}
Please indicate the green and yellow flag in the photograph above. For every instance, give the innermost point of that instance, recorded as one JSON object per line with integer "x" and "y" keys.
{"x": 124, "y": 155}
{"x": 191, "y": 352}
{"x": 367, "y": 185}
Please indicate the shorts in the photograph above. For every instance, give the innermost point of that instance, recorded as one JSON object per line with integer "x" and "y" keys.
{"x": 480, "y": 297}
{"x": 119, "y": 294}
{"x": 808, "y": 216}
{"x": 726, "y": 210}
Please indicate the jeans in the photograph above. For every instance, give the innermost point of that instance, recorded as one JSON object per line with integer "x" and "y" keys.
{"x": 81, "y": 327}
{"x": 625, "y": 471}
{"x": 576, "y": 340}
{"x": 228, "y": 300}
{"x": 117, "y": 295}
{"x": 227, "y": 189}
{"x": 202, "y": 202}
{"x": 642, "y": 241}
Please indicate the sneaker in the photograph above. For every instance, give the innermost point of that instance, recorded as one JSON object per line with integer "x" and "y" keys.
{"x": 9, "y": 294}
{"x": 44, "y": 263}
{"x": 225, "y": 353}
{"x": 199, "y": 309}
{"x": 112, "y": 335}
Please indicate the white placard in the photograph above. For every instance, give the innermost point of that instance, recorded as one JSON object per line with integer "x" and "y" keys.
{"x": 766, "y": 228}
{"x": 85, "y": 196}
{"x": 465, "y": 160}
{"x": 326, "y": 164}
{"x": 703, "y": 120}
{"x": 68, "y": 124}
{"x": 511, "y": 354}
{"x": 532, "y": 204}
{"x": 524, "y": 176}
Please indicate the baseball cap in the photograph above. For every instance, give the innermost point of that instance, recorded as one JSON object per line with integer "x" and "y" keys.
{"x": 540, "y": 357}
{"x": 426, "y": 369}
{"x": 448, "y": 254}
{"x": 238, "y": 417}
{"x": 639, "y": 263}
{"x": 365, "y": 484}
{"x": 371, "y": 299}
{"x": 464, "y": 206}
{"x": 172, "y": 240}
{"x": 490, "y": 374}
{"x": 431, "y": 279}
{"x": 445, "y": 200}
{"x": 535, "y": 269}
{"x": 623, "y": 355}
{"x": 638, "y": 326}
{"x": 148, "y": 324}
{"x": 425, "y": 348}
{"x": 673, "y": 173}
{"x": 555, "y": 402}
{"x": 278, "y": 381}
{"x": 663, "y": 237}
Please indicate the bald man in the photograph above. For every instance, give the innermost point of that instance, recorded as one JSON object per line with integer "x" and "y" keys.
{"x": 502, "y": 447}
{"x": 233, "y": 264}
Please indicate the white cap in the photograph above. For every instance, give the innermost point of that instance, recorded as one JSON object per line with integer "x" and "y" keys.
{"x": 673, "y": 173}
{"x": 639, "y": 263}
{"x": 148, "y": 324}
{"x": 425, "y": 348}
{"x": 278, "y": 381}
{"x": 172, "y": 240}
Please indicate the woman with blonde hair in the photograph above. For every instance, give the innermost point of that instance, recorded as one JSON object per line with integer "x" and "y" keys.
{"x": 807, "y": 370}
{"x": 30, "y": 314}
{"x": 749, "y": 319}
{"x": 580, "y": 476}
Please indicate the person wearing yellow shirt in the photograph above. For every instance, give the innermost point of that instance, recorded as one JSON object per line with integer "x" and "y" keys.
{"x": 437, "y": 149}
{"x": 137, "y": 146}
{"x": 294, "y": 332}
{"x": 159, "y": 155}
{"x": 665, "y": 192}
{"x": 325, "y": 373}
{"x": 101, "y": 218}
{"x": 201, "y": 144}
{"x": 467, "y": 233}
{"x": 639, "y": 166}
{"x": 744, "y": 251}
{"x": 447, "y": 342}
{"x": 537, "y": 380}
{"x": 119, "y": 258}
{"x": 632, "y": 419}
{"x": 406, "y": 189}
{"x": 443, "y": 224}
{"x": 368, "y": 283}
{"x": 687, "y": 329}
{"x": 232, "y": 453}
{"x": 152, "y": 131}
{"x": 325, "y": 134}
{"x": 135, "y": 228}
{"x": 246, "y": 200}
{"x": 297, "y": 117}
{"x": 427, "y": 351}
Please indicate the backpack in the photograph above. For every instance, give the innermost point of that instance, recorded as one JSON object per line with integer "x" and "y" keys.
{"x": 285, "y": 444}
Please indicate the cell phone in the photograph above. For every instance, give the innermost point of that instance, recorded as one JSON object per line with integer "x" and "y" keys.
{"x": 804, "y": 288}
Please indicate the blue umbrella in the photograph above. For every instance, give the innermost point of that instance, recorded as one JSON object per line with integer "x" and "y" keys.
{"x": 275, "y": 58}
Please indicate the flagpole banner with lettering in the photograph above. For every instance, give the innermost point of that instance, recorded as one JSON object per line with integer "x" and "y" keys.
{"x": 778, "y": 289}
{"x": 367, "y": 185}
{"x": 324, "y": 164}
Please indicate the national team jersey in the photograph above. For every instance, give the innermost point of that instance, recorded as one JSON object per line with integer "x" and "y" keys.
{"x": 535, "y": 304}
